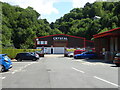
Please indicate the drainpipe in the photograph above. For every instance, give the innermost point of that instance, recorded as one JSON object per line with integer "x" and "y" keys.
{"x": 36, "y": 40}
{"x": 84, "y": 43}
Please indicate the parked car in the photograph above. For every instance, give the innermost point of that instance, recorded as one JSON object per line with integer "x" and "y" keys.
{"x": 35, "y": 54}
{"x": 66, "y": 54}
{"x": 71, "y": 54}
{"x": 88, "y": 55}
{"x": 5, "y": 63}
{"x": 78, "y": 51}
{"x": 40, "y": 53}
{"x": 117, "y": 59}
{"x": 25, "y": 56}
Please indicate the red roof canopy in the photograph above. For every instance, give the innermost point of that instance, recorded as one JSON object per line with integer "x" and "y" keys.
{"x": 61, "y": 34}
{"x": 107, "y": 33}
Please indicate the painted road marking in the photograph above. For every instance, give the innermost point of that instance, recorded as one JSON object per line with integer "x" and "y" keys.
{"x": 13, "y": 72}
{"x": 88, "y": 63}
{"x": 106, "y": 81}
{"x": 69, "y": 58}
{"x": 2, "y": 77}
{"x": 78, "y": 70}
{"x": 5, "y": 73}
{"x": 20, "y": 69}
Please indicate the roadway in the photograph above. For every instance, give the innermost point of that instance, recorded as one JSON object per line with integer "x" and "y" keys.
{"x": 56, "y": 71}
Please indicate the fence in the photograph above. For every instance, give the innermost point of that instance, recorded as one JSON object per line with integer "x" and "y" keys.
{"x": 12, "y": 52}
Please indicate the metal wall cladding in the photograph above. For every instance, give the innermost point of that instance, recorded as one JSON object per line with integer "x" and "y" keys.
{"x": 63, "y": 41}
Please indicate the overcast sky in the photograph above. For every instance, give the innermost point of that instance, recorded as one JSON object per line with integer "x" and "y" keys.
{"x": 50, "y": 9}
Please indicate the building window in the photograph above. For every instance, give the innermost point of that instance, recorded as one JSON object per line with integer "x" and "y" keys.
{"x": 45, "y": 42}
{"x": 42, "y": 42}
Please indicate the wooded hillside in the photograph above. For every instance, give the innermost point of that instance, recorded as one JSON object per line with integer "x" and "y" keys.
{"x": 92, "y": 19}
{"x": 20, "y": 26}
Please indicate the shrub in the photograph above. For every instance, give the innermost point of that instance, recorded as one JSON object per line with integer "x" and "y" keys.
{"x": 12, "y": 52}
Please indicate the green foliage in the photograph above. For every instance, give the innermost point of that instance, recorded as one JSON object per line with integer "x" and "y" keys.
{"x": 20, "y": 26}
{"x": 104, "y": 30}
{"x": 82, "y": 22}
{"x": 13, "y": 52}
{"x": 70, "y": 50}
{"x": 55, "y": 31}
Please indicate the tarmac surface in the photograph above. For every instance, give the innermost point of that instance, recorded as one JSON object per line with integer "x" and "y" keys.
{"x": 57, "y": 71}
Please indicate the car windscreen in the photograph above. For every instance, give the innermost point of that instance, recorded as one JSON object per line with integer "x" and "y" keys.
{"x": 6, "y": 58}
{"x": 0, "y": 59}
{"x": 88, "y": 53}
{"x": 38, "y": 51}
{"x": 117, "y": 55}
{"x": 28, "y": 54}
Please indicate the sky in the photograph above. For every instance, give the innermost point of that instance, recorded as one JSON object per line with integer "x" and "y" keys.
{"x": 50, "y": 9}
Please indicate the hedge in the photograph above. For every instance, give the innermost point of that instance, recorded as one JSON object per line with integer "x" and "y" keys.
{"x": 12, "y": 52}
{"x": 70, "y": 50}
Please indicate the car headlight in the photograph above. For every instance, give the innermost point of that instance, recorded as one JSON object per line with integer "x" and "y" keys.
{"x": 116, "y": 58}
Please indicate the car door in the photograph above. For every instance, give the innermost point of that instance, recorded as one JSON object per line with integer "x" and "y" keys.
{"x": 0, "y": 60}
{"x": 83, "y": 55}
{"x": 29, "y": 56}
{"x": 90, "y": 55}
{"x": 24, "y": 56}
{"x": 86, "y": 55}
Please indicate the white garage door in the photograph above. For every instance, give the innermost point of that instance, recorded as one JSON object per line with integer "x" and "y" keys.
{"x": 47, "y": 50}
{"x": 53, "y": 50}
{"x": 58, "y": 50}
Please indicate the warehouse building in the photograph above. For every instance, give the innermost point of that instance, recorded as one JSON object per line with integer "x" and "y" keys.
{"x": 107, "y": 44}
{"x": 55, "y": 44}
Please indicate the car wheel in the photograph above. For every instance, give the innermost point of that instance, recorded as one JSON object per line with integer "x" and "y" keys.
{"x": 117, "y": 64}
{"x": 88, "y": 58}
{"x": 2, "y": 68}
{"x": 75, "y": 57}
{"x": 79, "y": 57}
{"x": 19, "y": 59}
{"x": 34, "y": 59}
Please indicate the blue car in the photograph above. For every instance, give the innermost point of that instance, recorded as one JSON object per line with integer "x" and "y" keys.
{"x": 5, "y": 63}
{"x": 87, "y": 55}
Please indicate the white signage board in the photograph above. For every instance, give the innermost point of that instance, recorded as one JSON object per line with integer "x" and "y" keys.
{"x": 60, "y": 38}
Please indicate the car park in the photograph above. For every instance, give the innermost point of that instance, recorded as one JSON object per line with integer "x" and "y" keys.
{"x": 25, "y": 56}
{"x": 87, "y": 55}
{"x": 66, "y": 54}
{"x": 5, "y": 63}
{"x": 117, "y": 59}
{"x": 40, "y": 53}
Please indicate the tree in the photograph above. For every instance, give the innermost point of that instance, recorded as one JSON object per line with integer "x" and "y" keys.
{"x": 20, "y": 26}
{"x": 55, "y": 31}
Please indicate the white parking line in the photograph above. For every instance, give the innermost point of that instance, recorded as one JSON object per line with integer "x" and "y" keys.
{"x": 78, "y": 70}
{"x": 106, "y": 81}
{"x": 1, "y": 73}
{"x": 70, "y": 58}
{"x": 20, "y": 69}
{"x": 41, "y": 58}
{"x": 29, "y": 64}
{"x": 13, "y": 72}
{"x": 2, "y": 77}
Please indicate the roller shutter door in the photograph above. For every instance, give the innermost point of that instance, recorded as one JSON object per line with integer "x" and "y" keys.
{"x": 58, "y": 50}
{"x": 47, "y": 50}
